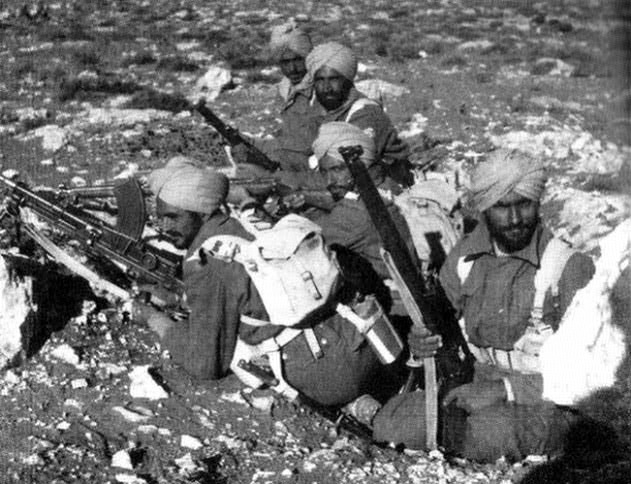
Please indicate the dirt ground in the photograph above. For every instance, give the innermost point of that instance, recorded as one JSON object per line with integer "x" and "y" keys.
{"x": 548, "y": 76}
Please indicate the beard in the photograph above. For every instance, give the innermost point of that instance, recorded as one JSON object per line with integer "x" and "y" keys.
{"x": 514, "y": 237}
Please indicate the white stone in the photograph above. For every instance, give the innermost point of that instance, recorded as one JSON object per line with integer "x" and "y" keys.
{"x": 186, "y": 465}
{"x": 53, "y": 137}
{"x": 129, "y": 479}
{"x": 558, "y": 67}
{"x": 122, "y": 459}
{"x": 147, "y": 429}
{"x": 65, "y": 353}
{"x": 33, "y": 460}
{"x": 144, "y": 386}
{"x": 119, "y": 117}
{"x": 130, "y": 415}
{"x": 415, "y": 127}
{"x": 190, "y": 442}
{"x": 380, "y": 90}
{"x": 63, "y": 425}
{"x": 79, "y": 383}
{"x": 16, "y": 303}
{"x": 213, "y": 82}
{"x": 264, "y": 404}
{"x": 475, "y": 45}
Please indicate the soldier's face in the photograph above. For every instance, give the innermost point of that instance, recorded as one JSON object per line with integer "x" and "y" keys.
{"x": 331, "y": 88}
{"x": 512, "y": 221}
{"x": 338, "y": 179}
{"x": 181, "y": 226}
{"x": 292, "y": 66}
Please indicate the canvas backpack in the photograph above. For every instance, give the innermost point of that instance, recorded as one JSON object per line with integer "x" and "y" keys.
{"x": 431, "y": 210}
{"x": 296, "y": 275}
{"x": 291, "y": 267}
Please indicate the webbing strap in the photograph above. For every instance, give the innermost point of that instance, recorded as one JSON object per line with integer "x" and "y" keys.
{"x": 362, "y": 325}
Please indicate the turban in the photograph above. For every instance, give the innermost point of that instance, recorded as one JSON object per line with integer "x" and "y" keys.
{"x": 504, "y": 172}
{"x": 185, "y": 184}
{"x": 333, "y": 55}
{"x": 336, "y": 134}
{"x": 289, "y": 37}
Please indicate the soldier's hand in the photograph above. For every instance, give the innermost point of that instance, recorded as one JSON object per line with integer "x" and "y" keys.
{"x": 423, "y": 346}
{"x": 294, "y": 201}
{"x": 474, "y": 396}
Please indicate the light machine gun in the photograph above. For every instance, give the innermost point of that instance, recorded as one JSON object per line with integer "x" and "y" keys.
{"x": 121, "y": 244}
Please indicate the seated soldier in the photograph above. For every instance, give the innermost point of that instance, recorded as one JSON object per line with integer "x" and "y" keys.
{"x": 348, "y": 224}
{"x": 330, "y": 361}
{"x": 291, "y": 145}
{"x": 333, "y": 67}
{"x": 510, "y": 281}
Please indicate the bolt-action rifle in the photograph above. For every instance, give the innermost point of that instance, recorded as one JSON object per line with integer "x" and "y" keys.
{"x": 428, "y": 312}
{"x": 233, "y": 137}
{"x": 121, "y": 244}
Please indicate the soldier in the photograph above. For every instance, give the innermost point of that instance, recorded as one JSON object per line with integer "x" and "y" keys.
{"x": 510, "y": 281}
{"x": 327, "y": 360}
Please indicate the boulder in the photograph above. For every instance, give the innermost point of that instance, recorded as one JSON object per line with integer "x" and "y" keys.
{"x": 17, "y": 307}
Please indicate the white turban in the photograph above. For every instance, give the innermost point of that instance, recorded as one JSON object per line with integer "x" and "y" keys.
{"x": 183, "y": 183}
{"x": 337, "y": 134}
{"x": 333, "y": 55}
{"x": 506, "y": 171}
{"x": 290, "y": 37}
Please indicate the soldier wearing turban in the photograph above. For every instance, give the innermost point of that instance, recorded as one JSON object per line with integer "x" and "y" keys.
{"x": 348, "y": 224}
{"x": 494, "y": 278}
{"x": 333, "y": 67}
{"x": 189, "y": 201}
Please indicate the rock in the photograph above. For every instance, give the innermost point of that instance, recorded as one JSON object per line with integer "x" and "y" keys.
{"x": 190, "y": 442}
{"x": 144, "y": 386}
{"x": 213, "y": 82}
{"x": 147, "y": 429}
{"x": 129, "y": 479}
{"x": 264, "y": 404}
{"x": 416, "y": 126}
{"x": 31, "y": 115}
{"x": 130, "y": 415}
{"x": 17, "y": 305}
{"x": 473, "y": 45}
{"x": 187, "y": 466}
{"x": 552, "y": 67}
{"x": 119, "y": 117}
{"x": 53, "y": 137}
{"x": 79, "y": 383}
{"x": 380, "y": 90}
{"x": 66, "y": 353}
{"x": 122, "y": 459}
{"x": 33, "y": 460}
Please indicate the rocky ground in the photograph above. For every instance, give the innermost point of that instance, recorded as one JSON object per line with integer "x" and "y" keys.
{"x": 77, "y": 105}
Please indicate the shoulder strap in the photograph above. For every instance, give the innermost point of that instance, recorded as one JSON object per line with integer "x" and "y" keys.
{"x": 555, "y": 256}
{"x": 463, "y": 268}
{"x": 360, "y": 103}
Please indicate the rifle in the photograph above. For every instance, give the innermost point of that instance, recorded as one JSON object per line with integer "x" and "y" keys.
{"x": 122, "y": 243}
{"x": 233, "y": 137}
{"x": 422, "y": 308}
